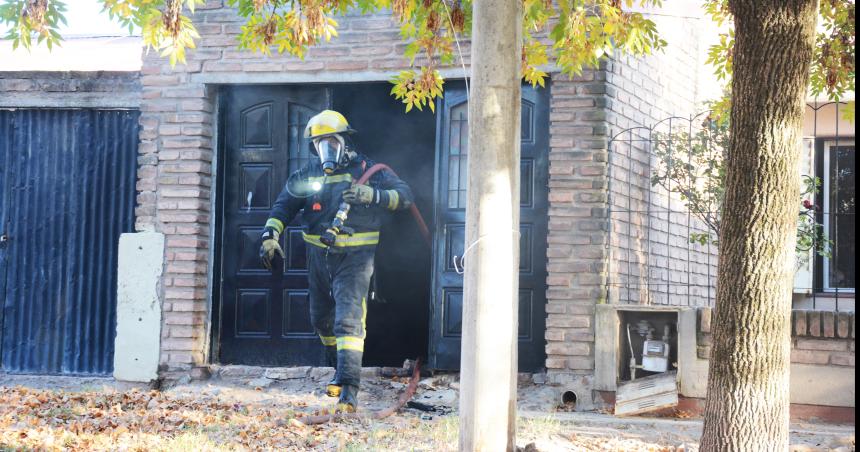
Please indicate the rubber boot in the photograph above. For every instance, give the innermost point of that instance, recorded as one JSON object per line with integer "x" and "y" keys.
{"x": 332, "y": 389}
{"x": 348, "y": 401}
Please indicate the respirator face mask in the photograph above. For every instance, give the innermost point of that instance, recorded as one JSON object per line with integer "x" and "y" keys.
{"x": 331, "y": 151}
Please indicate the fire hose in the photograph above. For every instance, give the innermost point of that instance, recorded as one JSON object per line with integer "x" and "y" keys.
{"x": 330, "y": 236}
{"x": 381, "y": 414}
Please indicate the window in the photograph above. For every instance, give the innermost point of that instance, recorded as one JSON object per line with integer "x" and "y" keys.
{"x": 837, "y": 201}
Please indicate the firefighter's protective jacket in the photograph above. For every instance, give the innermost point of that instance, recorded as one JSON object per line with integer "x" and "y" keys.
{"x": 319, "y": 210}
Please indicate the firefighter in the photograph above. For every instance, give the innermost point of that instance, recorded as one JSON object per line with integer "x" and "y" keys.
{"x": 339, "y": 275}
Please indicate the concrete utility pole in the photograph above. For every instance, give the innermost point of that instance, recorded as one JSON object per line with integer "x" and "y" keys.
{"x": 488, "y": 366}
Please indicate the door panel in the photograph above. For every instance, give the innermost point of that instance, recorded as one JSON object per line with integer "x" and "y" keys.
{"x": 451, "y": 162}
{"x": 6, "y": 134}
{"x": 264, "y": 316}
{"x": 69, "y": 194}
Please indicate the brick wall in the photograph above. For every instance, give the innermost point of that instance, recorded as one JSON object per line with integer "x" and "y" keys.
{"x": 817, "y": 337}
{"x": 651, "y": 260}
{"x": 586, "y": 112}
{"x": 577, "y": 195}
{"x": 176, "y": 171}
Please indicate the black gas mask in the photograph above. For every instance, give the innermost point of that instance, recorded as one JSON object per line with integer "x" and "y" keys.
{"x": 332, "y": 152}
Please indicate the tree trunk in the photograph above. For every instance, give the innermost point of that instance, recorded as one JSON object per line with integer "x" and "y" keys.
{"x": 489, "y": 343}
{"x": 747, "y": 406}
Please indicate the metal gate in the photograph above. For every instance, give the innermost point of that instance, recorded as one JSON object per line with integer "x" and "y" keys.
{"x": 68, "y": 192}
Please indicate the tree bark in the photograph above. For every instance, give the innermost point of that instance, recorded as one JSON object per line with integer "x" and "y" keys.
{"x": 488, "y": 362}
{"x": 747, "y": 405}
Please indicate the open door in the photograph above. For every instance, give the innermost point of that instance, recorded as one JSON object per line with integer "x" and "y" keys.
{"x": 450, "y": 227}
{"x": 264, "y": 316}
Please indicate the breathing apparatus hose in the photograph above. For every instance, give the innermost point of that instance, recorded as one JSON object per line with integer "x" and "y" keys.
{"x": 413, "y": 209}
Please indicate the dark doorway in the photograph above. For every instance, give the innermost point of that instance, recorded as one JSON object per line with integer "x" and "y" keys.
{"x": 450, "y": 228}
{"x": 398, "y": 321}
{"x": 263, "y": 317}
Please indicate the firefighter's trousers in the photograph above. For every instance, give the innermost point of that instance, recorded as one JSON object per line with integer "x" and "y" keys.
{"x": 339, "y": 281}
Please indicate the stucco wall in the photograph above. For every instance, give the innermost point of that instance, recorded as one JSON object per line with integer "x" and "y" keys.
{"x": 69, "y": 89}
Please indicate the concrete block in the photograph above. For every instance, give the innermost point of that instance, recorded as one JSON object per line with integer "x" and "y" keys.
{"x": 606, "y": 344}
{"x": 229, "y": 372}
{"x": 138, "y": 317}
{"x": 821, "y": 345}
{"x": 287, "y": 373}
{"x": 809, "y": 357}
{"x": 692, "y": 371}
{"x": 322, "y": 373}
{"x": 370, "y": 372}
{"x": 705, "y": 320}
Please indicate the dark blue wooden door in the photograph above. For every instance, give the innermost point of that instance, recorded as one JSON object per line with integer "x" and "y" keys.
{"x": 450, "y": 222}
{"x": 264, "y": 316}
{"x": 68, "y": 193}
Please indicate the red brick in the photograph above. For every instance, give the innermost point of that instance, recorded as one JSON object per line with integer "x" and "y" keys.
{"x": 568, "y": 348}
{"x": 843, "y": 324}
{"x": 558, "y": 280}
{"x": 183, "y": 318}
{"x": 178, "y": 344}
{"x": 580, "y": 363}
{"x": 159, "y": 80}
{"x": 814, "y": 319}
{"x": 800, "y": 323}
{"x": 188, "y": 306}
{"x": 302, "y": 66}
{"x": 828, "y": 324}
{"x": 568, "y": 321}
{"x": 346, "y": 65}
{"x": 560, "y": 196}
{"x": 554, "y": 335}
{"x": 556, "y": 363}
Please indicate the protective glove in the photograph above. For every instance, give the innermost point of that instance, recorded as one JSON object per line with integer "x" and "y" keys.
{"x": 270, "y": 247}
{"x": 360, "y": 194}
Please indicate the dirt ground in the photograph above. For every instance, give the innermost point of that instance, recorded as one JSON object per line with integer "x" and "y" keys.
{"x": 60, "y": 413}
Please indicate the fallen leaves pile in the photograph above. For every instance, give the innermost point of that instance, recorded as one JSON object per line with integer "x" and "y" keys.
{"x": 146, "y": 420}
{"x": 227, "y": 418}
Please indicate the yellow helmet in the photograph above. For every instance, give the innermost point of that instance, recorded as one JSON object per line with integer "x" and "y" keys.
{"x": 327, "y": 122}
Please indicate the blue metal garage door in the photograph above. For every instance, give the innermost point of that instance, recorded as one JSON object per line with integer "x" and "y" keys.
{"x": 68, "y": 192}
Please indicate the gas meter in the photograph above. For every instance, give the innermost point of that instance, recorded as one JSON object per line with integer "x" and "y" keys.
{"x": 655, "y": 353}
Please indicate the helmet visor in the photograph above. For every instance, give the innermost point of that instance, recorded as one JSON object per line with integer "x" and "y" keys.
{"x": 330, "y": 151}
